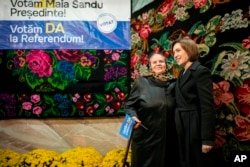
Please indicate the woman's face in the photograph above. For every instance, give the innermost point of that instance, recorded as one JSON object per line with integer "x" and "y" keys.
{"x": 158, "y": 64}
{"x": 180, "y": 55}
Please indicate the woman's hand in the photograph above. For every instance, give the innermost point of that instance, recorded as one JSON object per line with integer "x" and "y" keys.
{"x": 206, "y": 148}
{"x": 137, "y": 122}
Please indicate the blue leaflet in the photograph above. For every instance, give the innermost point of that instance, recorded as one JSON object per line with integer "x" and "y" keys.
{"x": 127, "y": 126}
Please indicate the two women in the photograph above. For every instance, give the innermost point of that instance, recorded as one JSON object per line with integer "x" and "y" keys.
{"x": 163, "y": 107}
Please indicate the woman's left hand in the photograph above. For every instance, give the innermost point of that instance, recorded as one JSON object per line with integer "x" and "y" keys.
{"x": 206, "y": 148}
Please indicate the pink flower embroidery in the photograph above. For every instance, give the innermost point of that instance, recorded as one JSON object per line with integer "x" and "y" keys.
{"x": 37, "y": 110}
{"x": 27, "y": 105}
{"x": 68, "y": 55}
{"x": 246, "y": 43}
{"x": 145, "y": 31}
{"x": 222, "y": 94}
{"x": 35, "y": 98}
{"x": 199, "y": 3}
{"x": 39, "y": 62}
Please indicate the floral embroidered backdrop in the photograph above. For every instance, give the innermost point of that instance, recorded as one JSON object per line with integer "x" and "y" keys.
{"x": 221, "y": 30}
{"x": 89, "y": 83}
{"x": 63, "y": 83}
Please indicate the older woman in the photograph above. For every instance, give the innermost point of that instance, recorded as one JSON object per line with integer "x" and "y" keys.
{"x": 151, "y": 103}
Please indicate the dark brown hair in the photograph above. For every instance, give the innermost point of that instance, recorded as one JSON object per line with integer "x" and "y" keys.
{"x": 189, "y": 46}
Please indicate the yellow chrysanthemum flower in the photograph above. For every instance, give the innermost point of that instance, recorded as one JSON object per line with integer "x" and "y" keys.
{"x": 75, "y": 157}
{"x": 115, "y": 158}
{"x": 39, "y": 157}
{"x": 8, "y": 158}
{"x": 78, "y": 157}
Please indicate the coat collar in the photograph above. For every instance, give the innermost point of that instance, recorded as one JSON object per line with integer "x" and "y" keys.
{"x": 194, "y": 65}
{"x": 183, "y": 79}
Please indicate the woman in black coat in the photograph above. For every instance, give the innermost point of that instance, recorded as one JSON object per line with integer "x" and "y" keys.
{"x": 151, "y": 103}
{"x": 195, "y": 113}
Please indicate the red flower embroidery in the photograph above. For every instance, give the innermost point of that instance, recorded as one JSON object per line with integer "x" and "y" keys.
{"x": 242, "y": 130}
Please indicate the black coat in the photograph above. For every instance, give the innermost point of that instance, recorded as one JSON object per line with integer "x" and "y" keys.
{"x": 195, "y": 114}
{"x": 152, "y": 102}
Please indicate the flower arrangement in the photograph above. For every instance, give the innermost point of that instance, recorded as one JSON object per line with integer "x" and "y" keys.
{"x": 79, "y": 156}
{"x": 39, "y": 157}
{"x": 8, "y": 158}
{"x": 75, "y": 157}
{"x": 115, "y": 158}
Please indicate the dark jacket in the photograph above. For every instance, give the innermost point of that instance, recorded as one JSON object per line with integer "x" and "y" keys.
{"x": 195, "y": 113}
{"x": 153, "y": 103}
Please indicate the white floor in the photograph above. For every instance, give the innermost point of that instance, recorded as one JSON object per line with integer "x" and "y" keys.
{"x": 24, "y": 135}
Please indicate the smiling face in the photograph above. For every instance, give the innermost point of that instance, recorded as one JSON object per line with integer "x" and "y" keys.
{"x": 180, "y": 55}
{"x": 158, "y": 64}
{"x": 185, "y": 52}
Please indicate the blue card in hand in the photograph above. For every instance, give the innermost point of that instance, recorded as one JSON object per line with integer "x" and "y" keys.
{"x": 127, "y": 126}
